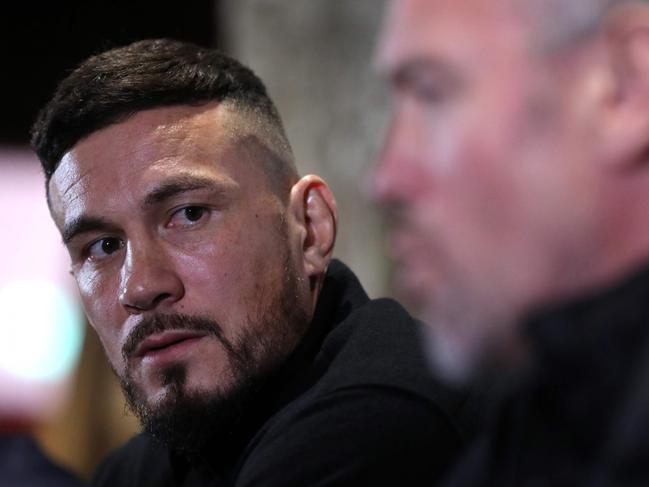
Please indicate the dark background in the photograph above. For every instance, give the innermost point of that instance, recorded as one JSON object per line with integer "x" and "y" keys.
{"x": 42, "y": 41}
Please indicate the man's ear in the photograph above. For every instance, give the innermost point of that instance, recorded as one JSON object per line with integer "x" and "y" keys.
{"x": 625, "y": 129}
{"x": 314, "y": 208}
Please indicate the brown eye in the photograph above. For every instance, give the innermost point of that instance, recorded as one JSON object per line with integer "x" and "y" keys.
{"x": 188, "y": 217}
{"x": 194, "y": 213}
{"x": 110, "y": 245}
{"x": 103, "y": 247}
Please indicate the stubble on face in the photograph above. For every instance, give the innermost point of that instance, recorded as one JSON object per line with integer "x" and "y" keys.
{"x": 195, "y": 422}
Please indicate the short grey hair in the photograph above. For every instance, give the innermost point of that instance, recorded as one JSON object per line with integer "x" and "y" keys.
{"x": 563, "y": 22}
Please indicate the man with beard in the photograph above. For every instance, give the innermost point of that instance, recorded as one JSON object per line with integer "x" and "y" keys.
{"x": 204, "y": 264}
{"x": 517, "y": 171}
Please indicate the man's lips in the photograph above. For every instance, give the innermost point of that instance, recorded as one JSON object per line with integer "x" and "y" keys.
{"x": 160, "y": 342}
{"x": 419, "y": 263}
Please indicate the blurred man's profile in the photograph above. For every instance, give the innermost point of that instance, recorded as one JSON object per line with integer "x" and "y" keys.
{"x": 516, "y": 174}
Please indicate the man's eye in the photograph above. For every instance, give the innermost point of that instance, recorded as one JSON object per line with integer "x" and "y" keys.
{"x": 193, "y": 213}
{"x": 432, "y": 90}
{"x": 104, "y": 247}
{"x": 429, "y": 92}
{"x": 188, "y": 216}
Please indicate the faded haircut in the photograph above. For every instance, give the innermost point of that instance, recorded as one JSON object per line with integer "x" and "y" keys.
{"x": 111, "y": 86}
{"x": 562, "y": 22}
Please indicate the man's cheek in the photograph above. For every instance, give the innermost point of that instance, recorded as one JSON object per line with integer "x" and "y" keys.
{"x": 112, "y": 348}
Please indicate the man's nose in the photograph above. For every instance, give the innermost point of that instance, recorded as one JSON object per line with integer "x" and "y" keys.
{"x": 388, "y": 182}
{"x": 148, "y": 280}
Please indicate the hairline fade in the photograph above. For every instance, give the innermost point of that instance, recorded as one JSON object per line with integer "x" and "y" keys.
{"x": 563, "y": 23}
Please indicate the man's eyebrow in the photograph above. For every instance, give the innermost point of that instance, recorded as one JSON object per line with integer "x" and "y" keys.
{"x": 83, "y": 224}
{"x": 161, "y": 193}
{"x": 178, "y": 185}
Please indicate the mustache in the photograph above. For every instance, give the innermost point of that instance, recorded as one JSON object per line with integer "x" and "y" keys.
{"x": 160, "y": 323}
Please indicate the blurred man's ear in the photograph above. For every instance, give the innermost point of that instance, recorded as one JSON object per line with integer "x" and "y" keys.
{"x": 625, "y": 127}
{"x": 314, "y": 209}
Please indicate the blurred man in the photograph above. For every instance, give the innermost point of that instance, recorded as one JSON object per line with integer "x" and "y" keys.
{"x": 517, "y": 173}
{"x": 204, "y": 263}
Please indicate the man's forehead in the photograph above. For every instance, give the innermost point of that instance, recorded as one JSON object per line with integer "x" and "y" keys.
{"x": 151, "y": 137}
{"x": 416, "y": 29}
{"x": 175, "y": 128}
{"x": 150, "y": 143}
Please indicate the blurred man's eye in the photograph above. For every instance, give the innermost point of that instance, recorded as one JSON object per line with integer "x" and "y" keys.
{"x": 426, "y": 83}
{"x": 427, "y": 91}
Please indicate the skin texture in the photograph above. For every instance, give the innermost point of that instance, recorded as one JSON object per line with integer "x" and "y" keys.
{"x": 510, "y": 173}
{"x": 169, "y": 217}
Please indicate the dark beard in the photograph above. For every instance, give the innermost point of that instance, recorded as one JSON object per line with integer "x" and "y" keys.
{"x": 199, "y": 423}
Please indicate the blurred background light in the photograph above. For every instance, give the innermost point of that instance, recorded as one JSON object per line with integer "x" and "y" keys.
{"x": 41, "y": 329}
{"x": 41, "y": 323}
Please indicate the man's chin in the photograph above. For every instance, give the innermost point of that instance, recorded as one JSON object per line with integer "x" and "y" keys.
{"x": 190, "y": 422}
{"x": 485, "y": 352}
{"x": 448, "y": 357}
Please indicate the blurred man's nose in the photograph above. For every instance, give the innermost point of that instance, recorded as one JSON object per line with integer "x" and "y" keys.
{"x": 390, "y": 182}
{"x": 148, "y": 280}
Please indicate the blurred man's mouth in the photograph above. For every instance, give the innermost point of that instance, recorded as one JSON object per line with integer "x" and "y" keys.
{"x": 417, "y": 271}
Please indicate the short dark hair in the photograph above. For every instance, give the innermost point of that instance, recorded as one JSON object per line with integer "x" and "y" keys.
{"x": 111, "y": 86}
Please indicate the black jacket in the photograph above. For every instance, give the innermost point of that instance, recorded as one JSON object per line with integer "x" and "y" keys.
{"x": 354, "y": 405}
{"x": 581, "y": 417}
